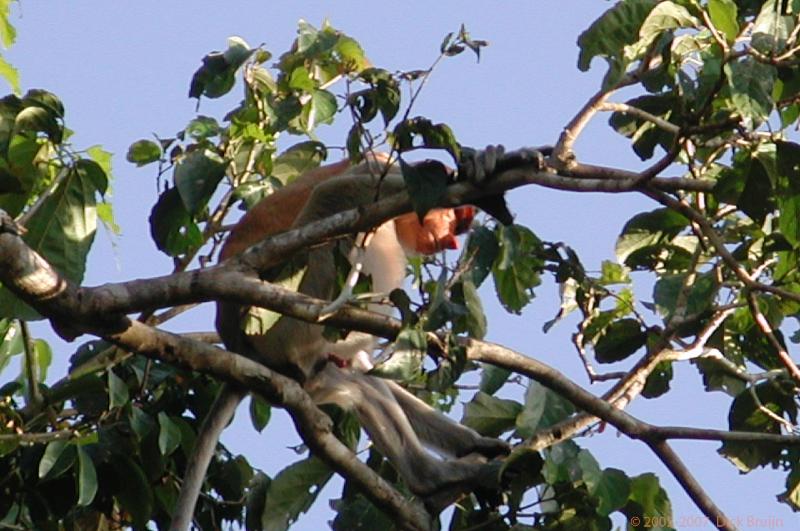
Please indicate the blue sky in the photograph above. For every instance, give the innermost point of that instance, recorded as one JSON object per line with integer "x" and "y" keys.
{"x": 123, "y": 70}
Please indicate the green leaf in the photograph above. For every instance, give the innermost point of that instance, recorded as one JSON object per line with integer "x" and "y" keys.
{"x": 611, "y": 489}
{"x": 609, "y": 35}
{"x": 11, "y": 342}
{"x": 292, "y": 492}
{"x": 355, "y": 512}
{"x": 231, "y": 478}
{"x": 10, "y": 74}
{"x": 134, "y": 494}
{"x": 256, "y": 500}
{"x": 117, "y": 391}
{"x": 297, "y": 160}
{"x": 543, "y": 408}
{"x": 45, "y": 100}
{"x": 351, "y": 53}
{"x": 619, "y": 340}
{"x": 433, "y": 136}
{"x": 62, "y": 231}
{"x": 788, "y": 191}
{"x": 257, "y": 320}
{"x": 757, "y": 197}
{"x": 648, "y": 499}
{"x": 63, "y": 228}
{"x": 87, "y": 478}
{"x": 8, "y": 34}
{"x": 476, "y": 324}
{"x": 569, "y": 303}
{"x": 203, "y": 127}
{"x": 141, "y": 423}
{"x": 516, "y": 270}
{"x": 699, "y": 296}
{"x": 36, "y": 119}
{"x": 751, "y": 84}
{"x": 666, "y": 16}
{"x": 405, "y": 363}
{"x": 746, "y": 415}
{"x": 300, "y": 79}
{"x": 41, "y": 112}
{"x": 383, "y": 95}
{"x": 644, "y": 134}
{"x": 481, "y": 252}
{"x": 658, "y": 380}
{"x": 724, "y": 15}
{"x": 426, "y": 182}
{"x": 613, "y": 273}
{"x": 260, "y": 412}
{"x": 196, "y": 177}
{"x": 647, "y": 234}
{"x": 561, "y": 463}
{"x": 169, "y": 434}
{"x": 93, "y": 173}
{"x": 172, "y": 227}
{"x": 320, "y": 109}
{"x": 143, "y": 152}
{"x": 105, "y": 212}
{"x": 493, "y": 378}
{"x": 44, "y": 356}
{"x": 771, "y": 27}
{"x": 216, "y": 76}
{"x": 490, "y": 416}
{"x": 103, "y": 159}
{"x": 58, "y": 457}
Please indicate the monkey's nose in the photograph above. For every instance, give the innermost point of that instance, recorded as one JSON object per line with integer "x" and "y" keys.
{"x": 448, "y": 241}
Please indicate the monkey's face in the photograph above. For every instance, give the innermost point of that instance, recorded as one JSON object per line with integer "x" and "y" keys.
{"x": 437, "y": 231}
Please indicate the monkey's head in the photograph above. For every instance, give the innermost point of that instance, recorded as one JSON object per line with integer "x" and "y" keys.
{"x": 437, "y": 231}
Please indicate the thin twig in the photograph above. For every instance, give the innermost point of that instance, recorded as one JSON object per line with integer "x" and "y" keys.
{"x": 766, "y": 329}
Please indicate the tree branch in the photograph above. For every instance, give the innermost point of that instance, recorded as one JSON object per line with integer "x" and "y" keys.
{"x": 101, "y": 311}
{"x": 31, "y": 278}
{"x": 690, "y": 485}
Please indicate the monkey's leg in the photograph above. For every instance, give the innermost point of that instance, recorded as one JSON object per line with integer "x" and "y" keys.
{"x": 384, "y": 419}
{"x": 216, "y": 421}
{"x": 439, "y": 431}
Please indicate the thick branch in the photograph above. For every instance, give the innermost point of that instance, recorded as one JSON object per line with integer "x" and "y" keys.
{"x": 33, "y": 280}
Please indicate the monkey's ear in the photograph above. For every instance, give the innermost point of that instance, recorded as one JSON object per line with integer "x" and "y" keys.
{"x": 496, "y": 206}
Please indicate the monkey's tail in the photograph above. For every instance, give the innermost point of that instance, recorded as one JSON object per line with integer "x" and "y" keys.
{"x": 218, "y": 417}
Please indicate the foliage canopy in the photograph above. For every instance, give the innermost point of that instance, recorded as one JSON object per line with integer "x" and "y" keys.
{"x": 714, "y": 98}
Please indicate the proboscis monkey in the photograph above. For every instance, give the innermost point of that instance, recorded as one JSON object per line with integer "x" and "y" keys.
{"x": 401, "y": 426}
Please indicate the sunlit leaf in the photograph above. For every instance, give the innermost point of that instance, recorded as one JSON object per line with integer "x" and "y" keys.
{"x": 723, "y": 14}
{"x": 169, "y": 434}
{"x": 59, "y": 456}
{"x": 608, "y": 36}
{"x": 292, "y": 492}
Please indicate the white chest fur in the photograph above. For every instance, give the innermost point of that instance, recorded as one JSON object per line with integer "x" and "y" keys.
{"x": 385, "y": 260}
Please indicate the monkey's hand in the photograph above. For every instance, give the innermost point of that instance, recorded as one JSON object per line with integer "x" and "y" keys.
{"x": 481, "y": 166}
